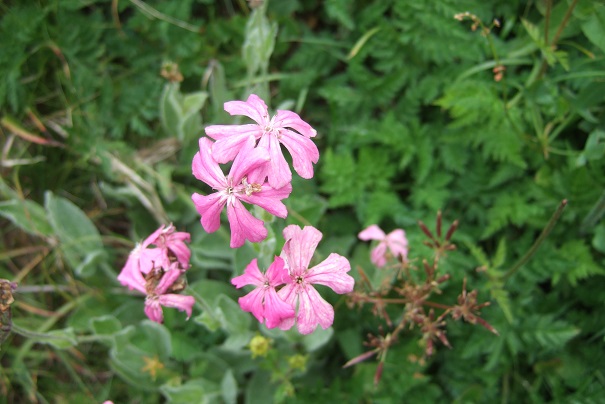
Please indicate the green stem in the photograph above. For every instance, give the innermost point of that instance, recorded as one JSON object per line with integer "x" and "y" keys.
{"x": 594, "y": 215}
{"x": 549, "y": 226}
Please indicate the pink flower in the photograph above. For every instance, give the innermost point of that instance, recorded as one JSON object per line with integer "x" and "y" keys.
{"x": 263, "y": 301}
{"x": 155, "y": 271}
{"x": 240, "y": 185}
{"x": 299, "y": 292}
{"x": 395, "y": 242}
{"x": 157, "y": 295}
{"x": 170, "y": 245}
{"x": 286, "y": 128}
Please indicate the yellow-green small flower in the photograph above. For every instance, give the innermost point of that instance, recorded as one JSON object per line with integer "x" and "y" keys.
{"x": 259, "y": 346}
{"x": 298, "y": 361}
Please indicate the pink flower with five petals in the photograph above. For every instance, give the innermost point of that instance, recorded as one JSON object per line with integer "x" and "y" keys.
{"x": 312, "y": 309}
{"x": 286, "y": 127}
{"x": 395, "y": 243}
{"x": 240, "y": 185}
{"x": 263, "y": 302}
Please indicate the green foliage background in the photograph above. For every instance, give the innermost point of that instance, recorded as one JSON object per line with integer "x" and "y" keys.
{"x": 410, "y": 120}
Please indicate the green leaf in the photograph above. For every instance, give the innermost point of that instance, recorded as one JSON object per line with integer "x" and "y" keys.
{"x": 260, "y": 41}
{"x": 27, "y": 215}
{"x": 61, "y": 339}
{"x": 105, "y": 325}
{"x": 594, "y": 27}
{"x": 191, "y": 392}
{"x": 80, "y": 241}
{"x": 229, "y": 388}
{"x": 598, "y": 240}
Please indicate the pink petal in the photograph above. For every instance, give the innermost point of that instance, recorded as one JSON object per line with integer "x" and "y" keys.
{"x": 181, "y": 252}
{"x": 167, "y": 280}
{"x": 332, "y": 272}
{"x": 277, "y": 171}
{"x": 378, "y": 255}
{"x": 181, "y": 302}
{"x": 243, "y": 225}
{"x": 289, "y": 119}
{"x": 210, "y": 207}
{"x": 299, "y": 247}
{"x": 373, "y": 232}
{"x": 152, "y": 237}
{"x": 313, "y": 310}
{"x": 277, "y": 274}
{"x": 150, "y": 258}
{"x": 227, "y": 148}
{"x": 254, "y": 107}
{"x": 398, "y": 243}
{"x": 131, "y": 276}
{"x": 289, "y": 296}
{"x": 275, "y": 309}
{"x": 205, "y": 168}
{"x": 270, "y": 199}
{"x": 218, "y": 132}
{"x": 253, "y": 303}
{"x": 303, "y": 151}
{"x": 153, "y": 310}
{"x": 251, "y": 276}
{"x": 249, "y": 158}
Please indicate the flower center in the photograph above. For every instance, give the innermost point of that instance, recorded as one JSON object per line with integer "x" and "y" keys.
{"x": 249, "y": 189}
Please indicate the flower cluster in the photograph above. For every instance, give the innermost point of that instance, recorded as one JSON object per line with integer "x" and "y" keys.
{"x": 259, "y": 174}
{"x": 297, "y": 302}
{"x": 158, "y": 272}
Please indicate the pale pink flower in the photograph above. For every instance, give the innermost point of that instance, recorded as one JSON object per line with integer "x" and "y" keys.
{"x": 263, "y": 301}
{"x": 286, "y": 127}
{"x": 394, "y": 243}
{"x": 299, "y": 292}
{"x": 240, "y": 185}
{"x": 157, "y": 295}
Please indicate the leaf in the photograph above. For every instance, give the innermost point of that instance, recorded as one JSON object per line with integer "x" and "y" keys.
{"x": 260, "y": 41}
{"x": 61, "y": 339}
{"x": 594, "y": 27}
{"x": 80, "y": 241}
{"x": 229, "y": 388}
{"x": 190, "y": 392}
{"x": 27, "y": 215}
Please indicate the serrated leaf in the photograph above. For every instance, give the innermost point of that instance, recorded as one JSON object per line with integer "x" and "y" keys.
{"x": 500, "y": 255}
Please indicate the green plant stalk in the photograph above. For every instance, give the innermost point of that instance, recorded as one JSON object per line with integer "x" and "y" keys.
{"x": 555, "y": 39}
{"x": 549, "y": 226}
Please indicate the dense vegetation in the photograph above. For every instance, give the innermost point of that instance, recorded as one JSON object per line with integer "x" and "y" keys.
{"x": 495, "y": 118}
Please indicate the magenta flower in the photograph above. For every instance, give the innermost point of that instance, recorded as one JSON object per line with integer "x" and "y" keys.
{"x": 299, "y": 292}
{"x": 395, "y": 242}
{"x": 285, "y": 127}
{"x": 240, "y": 185}
{"x": 263, "y": 301}
{"x": 157, "y": 295}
